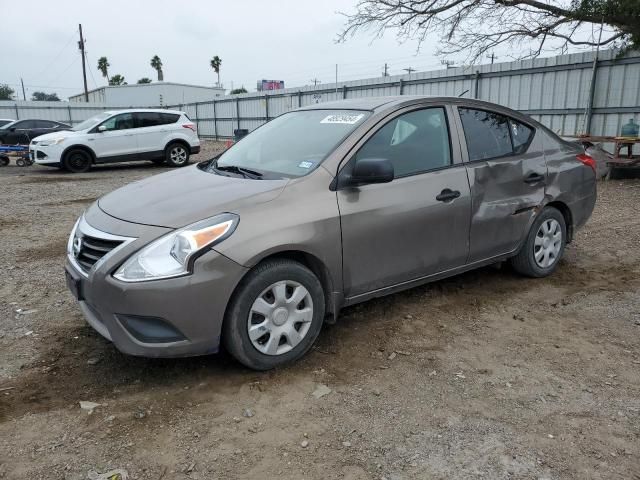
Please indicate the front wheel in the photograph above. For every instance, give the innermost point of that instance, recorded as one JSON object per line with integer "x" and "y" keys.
{"x": 544, "y": 245}
{"x": 77, "y": 161}
{"x": 177, "y": 155}
{"x": 275, "y": 315}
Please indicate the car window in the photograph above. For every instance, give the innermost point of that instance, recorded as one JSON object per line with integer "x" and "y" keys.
{"x": 414, "y": 142}
{"x": 486, "y": 133}
{"x": 123, "y": 121}
{"x": 44, "y": 124}
{"x": 520, "y": 135}
{"x": 168, "y": 118}
{"x": 24, "y": 124}
{"x": 148, "y": 119}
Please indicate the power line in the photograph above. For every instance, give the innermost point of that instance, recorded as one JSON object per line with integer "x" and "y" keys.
{"x": 57, "y": 56}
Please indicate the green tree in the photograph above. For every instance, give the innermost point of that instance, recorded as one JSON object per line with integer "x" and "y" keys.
{"x": 216, "y": 63}
{"x": 475, "y": 27}
{"x": 238, "y": 90}
{"x": 103, "y": 66}
{"x": 156, "y": 64}
{"x": 117, "y": 80}
{"x": 44, "y": 97}
{"x": 144, "y": 80}
{"x": 6, "y": 92}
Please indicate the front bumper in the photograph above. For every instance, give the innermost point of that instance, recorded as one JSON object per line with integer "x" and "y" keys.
{"x": 45, "y": 155}
{"x": 161, "y": 318}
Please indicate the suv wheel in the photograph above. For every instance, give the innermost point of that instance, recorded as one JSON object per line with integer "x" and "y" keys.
{"x": 544, "y": 245}
{"x": 177, "y": 155}
{"x": 77, "y": 161}
{"x": 275, "y": 315}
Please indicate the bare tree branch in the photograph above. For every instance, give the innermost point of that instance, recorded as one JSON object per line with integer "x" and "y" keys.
{"x": 474, "y": 27}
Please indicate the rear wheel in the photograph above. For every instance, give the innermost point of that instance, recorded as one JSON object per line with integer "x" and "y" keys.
{"x": 544, "y": 246}
{"x": 77, "y": 161}
{"x": 177, "y": 155}
{"x": 275, "y": 315}
{"x": 4, "y": 160}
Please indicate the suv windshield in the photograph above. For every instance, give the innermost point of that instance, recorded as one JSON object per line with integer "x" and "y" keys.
{"x": 91, "y": 121}
{"x": 290, "y": 145}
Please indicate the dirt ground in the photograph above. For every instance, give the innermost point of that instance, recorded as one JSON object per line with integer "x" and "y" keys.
{"x": 485, "y": 375}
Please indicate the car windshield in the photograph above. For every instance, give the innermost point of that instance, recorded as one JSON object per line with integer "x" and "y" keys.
{"x": 91, "y": 121}
{"x": 291, "y": 145}
{"x": 8, "y": 125}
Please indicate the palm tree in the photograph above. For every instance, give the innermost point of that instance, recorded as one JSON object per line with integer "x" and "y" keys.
{"x": 216, "y": 62}
{"x": 156, "y": 64}
{"x": 103, "y": 66}
{"x": 117, "y": 80}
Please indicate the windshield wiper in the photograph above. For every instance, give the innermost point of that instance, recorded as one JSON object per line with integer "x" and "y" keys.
{"x": 245, "y": 172}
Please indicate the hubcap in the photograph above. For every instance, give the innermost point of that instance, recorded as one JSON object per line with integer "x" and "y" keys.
{"x": 178, "y": 155}
{"x": 280, "y": 317}
{"x": 546, "y": 247}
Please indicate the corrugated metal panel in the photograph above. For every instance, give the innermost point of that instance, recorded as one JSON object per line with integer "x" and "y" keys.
{"x": 555, "y": 90}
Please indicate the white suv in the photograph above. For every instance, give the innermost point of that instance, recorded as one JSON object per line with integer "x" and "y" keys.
{"x": 162, "y": 136}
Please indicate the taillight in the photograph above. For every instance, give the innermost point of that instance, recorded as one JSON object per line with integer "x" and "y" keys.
{"x": 587, "y": 160}
{"x": 190, "y": 126}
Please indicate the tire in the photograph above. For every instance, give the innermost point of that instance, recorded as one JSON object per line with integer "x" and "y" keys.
{"x": 176, "y": 155}
{"x": 4, "y": 160}
{"x": 271, "y": 287}
{"x": 541, "y": 252}
{"x": 21, "y": 162}
{"x": 77, "y": 161}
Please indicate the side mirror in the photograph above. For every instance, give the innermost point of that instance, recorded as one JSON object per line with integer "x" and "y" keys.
{"x": 371, "y": 170}
{"x": 102, "y": 128}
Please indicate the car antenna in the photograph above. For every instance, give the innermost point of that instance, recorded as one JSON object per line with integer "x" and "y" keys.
{"x": 463, "y": 93}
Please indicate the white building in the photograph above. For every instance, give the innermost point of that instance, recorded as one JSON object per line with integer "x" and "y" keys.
{"x": 156, "y": 94}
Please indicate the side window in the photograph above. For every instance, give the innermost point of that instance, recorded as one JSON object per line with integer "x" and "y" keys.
{"x": 44, "y": 124}
{"x": 148, "y": 119}
{"x": 123, "y": 121}
{"x": 24, "y": 125}
{"x": 415, "y": 142}
{"x": 487, "y": 134}
{"x": 168, "y": 118}
{"x": 520, "y": 135}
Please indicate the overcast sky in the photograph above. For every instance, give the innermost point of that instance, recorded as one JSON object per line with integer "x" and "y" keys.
{"x": 285, "y": 40}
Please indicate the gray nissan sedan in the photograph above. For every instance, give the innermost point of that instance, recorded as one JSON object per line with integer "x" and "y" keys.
{"x": 323, "y": 207}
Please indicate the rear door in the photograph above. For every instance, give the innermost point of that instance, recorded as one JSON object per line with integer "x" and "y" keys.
{"x": 117, "y": 142}
{"x": 416, "y": 225}
{"x": 20, "y": 133}
{"x": 507, "y": 174}
{"x": 151, "y": 131}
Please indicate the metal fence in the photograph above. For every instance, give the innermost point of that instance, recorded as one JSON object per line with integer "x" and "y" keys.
{"x": 569, "y": 93}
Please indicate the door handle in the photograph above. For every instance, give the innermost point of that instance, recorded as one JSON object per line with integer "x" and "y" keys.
{"x": 448, "y": 195}
{"x": 533, "y": 178}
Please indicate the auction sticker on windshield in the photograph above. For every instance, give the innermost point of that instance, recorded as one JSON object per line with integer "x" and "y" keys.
{"x": 346, "y": 119}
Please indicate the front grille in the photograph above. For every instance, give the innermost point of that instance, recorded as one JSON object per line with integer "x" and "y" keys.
{"x": 40, "y": 154}
{"x": 93, "y": 249}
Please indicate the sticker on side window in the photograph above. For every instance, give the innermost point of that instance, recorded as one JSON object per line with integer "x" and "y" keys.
{"x": 345, "y": 119}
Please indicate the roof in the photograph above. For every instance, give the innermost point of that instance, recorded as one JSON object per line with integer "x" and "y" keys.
{"x": 146, "y": 85}
{"x": 132, "y": 110}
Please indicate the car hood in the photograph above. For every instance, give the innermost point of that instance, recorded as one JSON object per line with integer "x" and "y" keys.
{"x": 55, "y": 135}
{"x": 179, "y": 198}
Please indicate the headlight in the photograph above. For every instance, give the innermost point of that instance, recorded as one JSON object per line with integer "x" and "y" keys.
{"x": 54, "y": 141}
{"x": 172, "y": 255}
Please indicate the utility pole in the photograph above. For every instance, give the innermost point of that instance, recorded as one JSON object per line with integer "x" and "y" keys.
{"x": 336, "y": 78}
{"x": 409, "y": 70}
{"x": 84, "y": 67}
{"x": 493, "y": 56}
{"x": 447, "y": 63}
{"x": 315, "y": 81}
{"x": 386, "y": 70}
{"x": 24, "y": 95}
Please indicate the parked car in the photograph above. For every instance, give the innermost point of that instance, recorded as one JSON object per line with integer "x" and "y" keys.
{"x": 323, "y": 207}
{"x": 162, "y": 136}
{"x": 5, "y": 121}
{"x": 20, "y": 132}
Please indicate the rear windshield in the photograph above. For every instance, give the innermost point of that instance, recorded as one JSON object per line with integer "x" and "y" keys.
{"x": 293, "y": 144}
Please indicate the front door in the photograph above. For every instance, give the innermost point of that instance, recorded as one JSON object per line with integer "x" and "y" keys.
{"x": 416, "y": 225}
{"x": 118, "y": 142}
{"x": 507, "y": 173}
